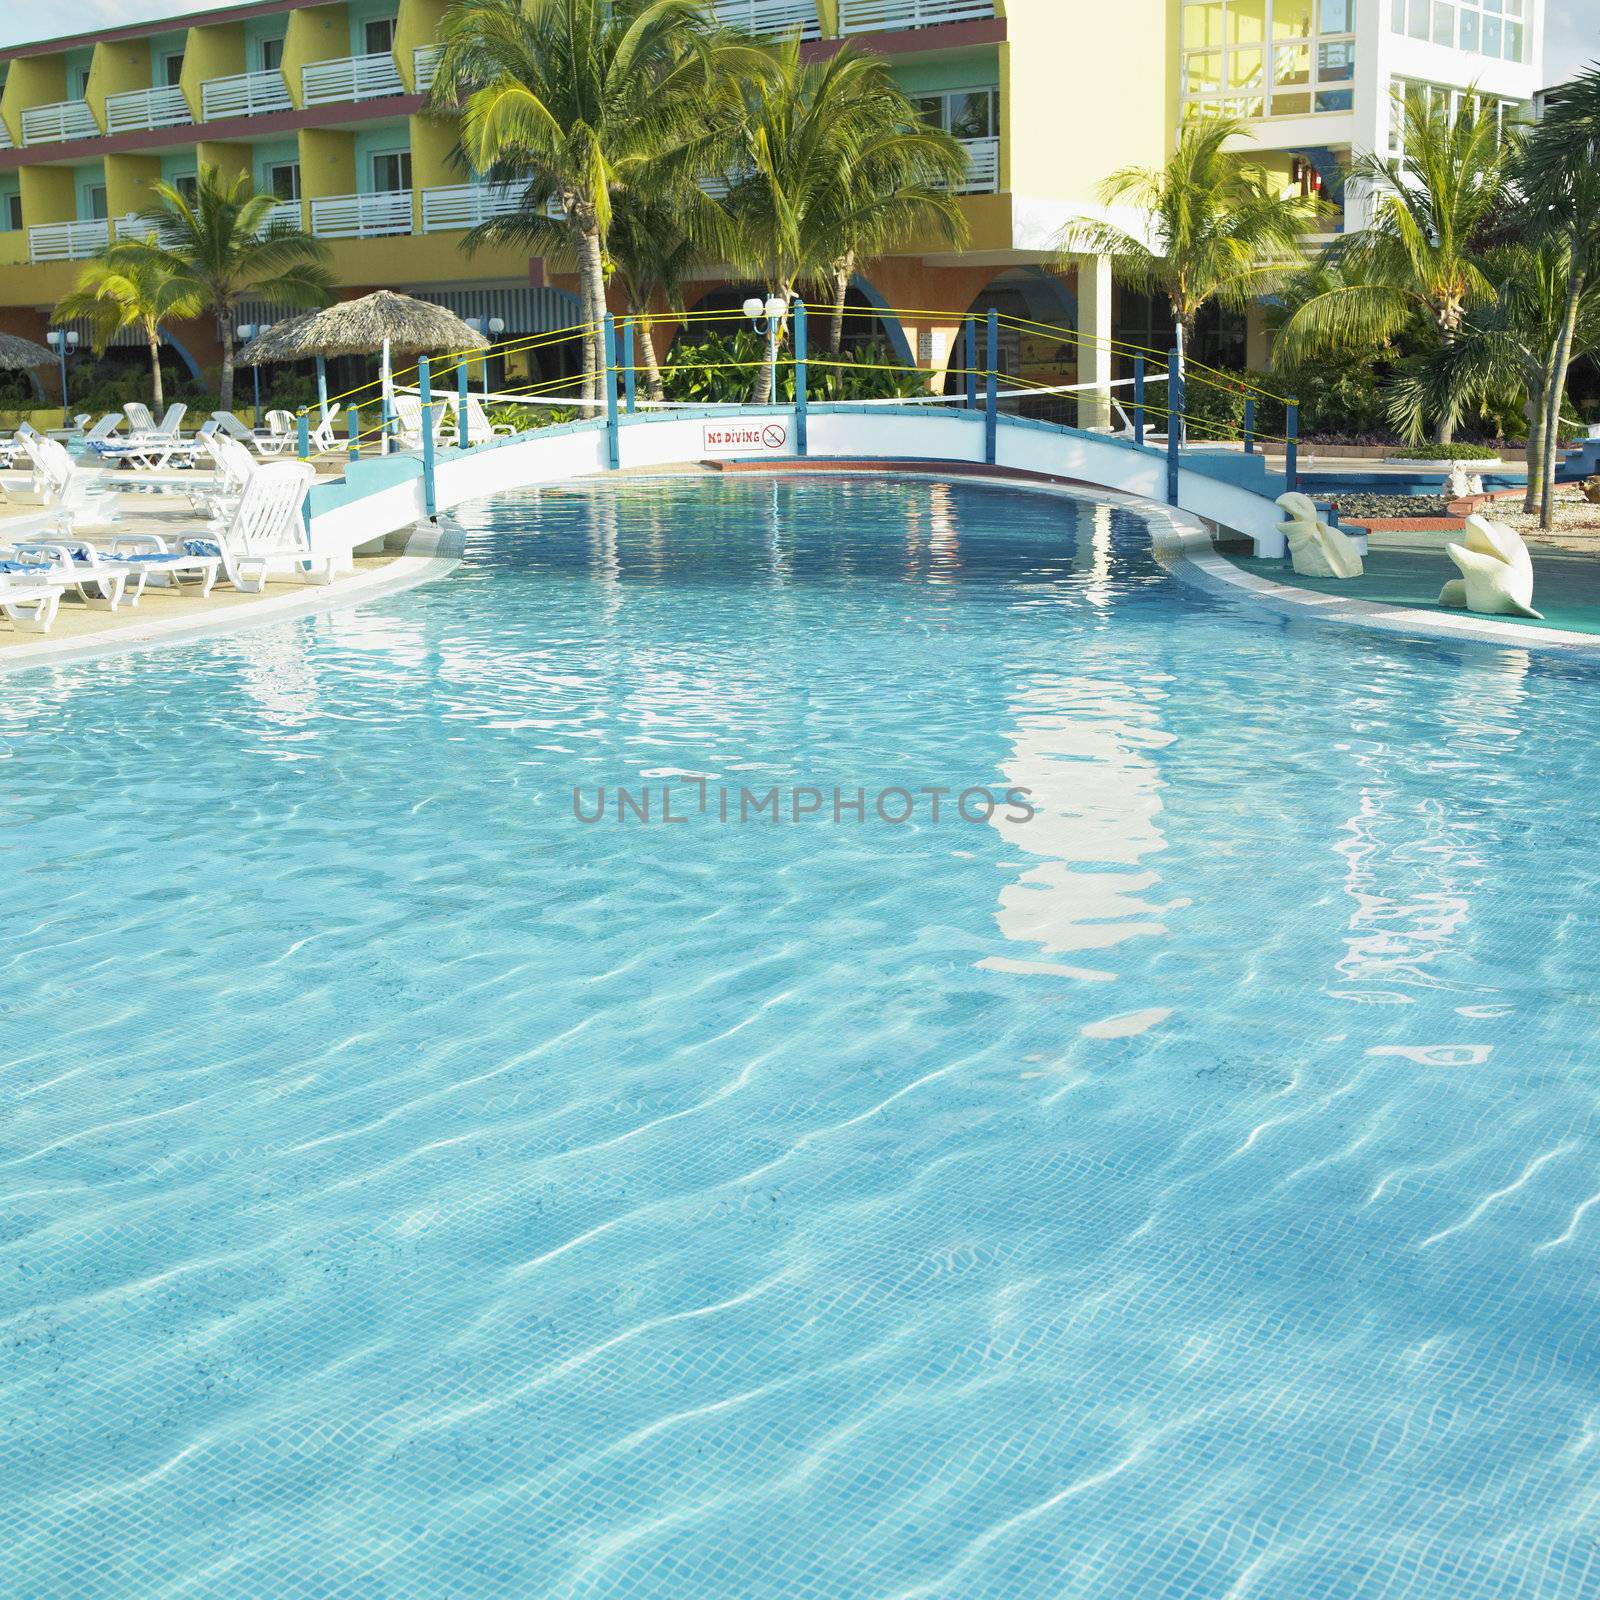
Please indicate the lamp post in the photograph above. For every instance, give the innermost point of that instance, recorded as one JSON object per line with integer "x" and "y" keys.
{"x": 494, "y": 327}
{"x": 61, "y": 340}
{"x": 767, "y": 317}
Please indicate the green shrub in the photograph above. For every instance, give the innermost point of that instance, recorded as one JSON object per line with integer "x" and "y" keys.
{"x": 721, "y": 370}
{"x": 1446, "y": 452}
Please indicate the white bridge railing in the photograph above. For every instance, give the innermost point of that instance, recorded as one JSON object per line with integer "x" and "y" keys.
{"x": 878, "y": 16}
{"x": 246, "y": 94}
{"x": 349, "y": 78}
{"x": 54, "y": 124}
{"x": 362, "y": 216}
{"x": 165, "y": 107}
{"x": 465, "y": 205}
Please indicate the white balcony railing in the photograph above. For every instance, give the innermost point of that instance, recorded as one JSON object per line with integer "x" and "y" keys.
{"x": 876, "y": 16}
{"x": 983, "y": 166}
{"x": 66, "y": 119}
{"x": 146, "y": 108}
{"x": 771, "y": 16}
{"x": 465, "y": 205}
{"x": 348, "y": 78}
{"x": 361, "y": 216}
{"x": 424, "y": 63}
{"x": 67, "y": 241}
{"x": 247, "y": 94}
{"x": 5, "y": 138}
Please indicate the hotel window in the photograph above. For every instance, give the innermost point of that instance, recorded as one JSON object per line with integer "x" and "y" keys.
{"x": 271, "y": 54}
{"x": 1268, "y": 58}
{"x": 1495, "y": 28}
{"x": 1442, "y": 98}
{"x": 172, "y": 70}
{"x": 379, "y": 36}
{"x": 283, "y": 180}
{"x": 14, "y": 212}
{"x": 391, "y": 171}
{"x": 965, "y": 113}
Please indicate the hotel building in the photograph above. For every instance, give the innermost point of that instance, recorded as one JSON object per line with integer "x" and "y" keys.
{"x": 322, "y": 104}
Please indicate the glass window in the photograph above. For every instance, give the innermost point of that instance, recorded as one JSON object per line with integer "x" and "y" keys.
{"x": 1204, "y": 25}
{"x": 1292, "y": 19}
{"x": 1444, "y": 24}
{"x": 391, "y": 171}
{"x": 1513, "y": 41}
{"x": 14, "y": 211}
{"x": 1247, "y": 21}
{"x": 283, "y": 180}
{"x": 188, "y": 185}
{"x": 1397, "y": 16}
{"x": 172, "y": 70}
{"x": 1203, "y": 72}
{"x": 95, "y": 194}
{"x": 1417, "y": 19}
{"x": 972, "y": 114}
{"x": 271, "y": 54}
{"x": 380, "y": 36}
{"x": 1338, "y": 16}
{"x": 1469, "y": 30}
{"x": 1244, "y": 70}
{"x": 1336, "y": 63}
{"x": 1491, "y": 36}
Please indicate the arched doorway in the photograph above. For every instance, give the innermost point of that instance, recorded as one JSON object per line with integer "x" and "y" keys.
{"x": 1043, "y": 350}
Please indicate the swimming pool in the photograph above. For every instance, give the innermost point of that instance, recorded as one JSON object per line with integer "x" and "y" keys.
{"x": 414, "y": 1190}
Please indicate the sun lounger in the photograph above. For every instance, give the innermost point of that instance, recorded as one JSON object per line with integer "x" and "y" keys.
{"x": 28, "y": 599}
{"x": 266, "y": 535}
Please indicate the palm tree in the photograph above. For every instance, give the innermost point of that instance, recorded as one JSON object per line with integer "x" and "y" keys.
{"x": 576, "y": 101}
{"x": 1216, "y": 227}
{"x": 1561, "y": 179}
{"x": 833, "y": 163}
{"x": 224, "y": 245}
{"x": 140, "y": 294}
{"x": 653, "y": 245}
{"x": 1416, "y": 267}
{"x": 1502, "y": 350}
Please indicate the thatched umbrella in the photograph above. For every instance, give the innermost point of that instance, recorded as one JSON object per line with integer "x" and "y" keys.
{"x": 22, "y": 354}
{"x": 393, "y": 324}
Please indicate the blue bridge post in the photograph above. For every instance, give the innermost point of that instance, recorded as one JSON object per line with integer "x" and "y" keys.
{"x": 628, "y": 364}
{"x": 1138, "y": 401}
{"x": 425, "y": 391}
{"x": 1249, "y": 424}
{"x": 303, "y": 429}
{"x": 971, "y": 363}
{"x": 1174, "y": 423}
{"x": 991, "y": 407}
{"x": 462, "y": 431}
{"x": 1291, "y": 449}
{"x": 355, "y": 433}
{"x": 802, "y": 356}
{"x": 613, "y": 443}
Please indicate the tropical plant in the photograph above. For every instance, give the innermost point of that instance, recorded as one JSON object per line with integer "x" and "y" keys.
{"x": 716, "y": 370}
{"x": 1216, "y": 227}
{"x": 832, "y": 162}
{"x": 1416, "y": 268}
{"x": 1561, "y": 180}
{"x": 222, "y": 245}
{"x": 575, "y": 101}
{"x": 139, "y": 293}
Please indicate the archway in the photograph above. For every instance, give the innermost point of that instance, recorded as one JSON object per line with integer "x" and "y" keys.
{"x": 1033, "y": 354}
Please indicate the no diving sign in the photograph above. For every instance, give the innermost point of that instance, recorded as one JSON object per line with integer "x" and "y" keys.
{"x": 744, "y": 438}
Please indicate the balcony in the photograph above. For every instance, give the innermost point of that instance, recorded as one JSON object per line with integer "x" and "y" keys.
{"x": 66, "y": 119}
{"x": 983, "y": 166}
{"x": 248, "y": 94}
{"x": 361, "y": 216}
{"x": 5, "y": 138}
{"x": 67, "y": 241}
{"x": 879, "y": 16}
{"x": 349, "y": 78}
{"x": 465, "y": 205}
{"x": 424, "y": 63}
{"x": 771, "y": 16}
{"x": 146, "y": 108}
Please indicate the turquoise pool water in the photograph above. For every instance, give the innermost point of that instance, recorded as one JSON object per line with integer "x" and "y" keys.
{"x": 410, "y": 1190}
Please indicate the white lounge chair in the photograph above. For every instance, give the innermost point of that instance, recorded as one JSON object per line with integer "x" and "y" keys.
{"x": 281, "y": 434}
{"x": 235, "y": 466}
{"x": 139, "y": 418}
{"x": 408, "y": 417}
{"x": 152, "y": 448}
{"x": 323, "y": 441}
{"x": 60, "y": 485}
{"x": 234, "y": 427}
{"x": 30, "y": 595}
{"x": 479, "y": 428}
{"x": 72, "y": 563}
{"x": 266, "y": 536}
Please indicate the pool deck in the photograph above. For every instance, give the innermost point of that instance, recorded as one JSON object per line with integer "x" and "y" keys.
{"x": 1399, "y": 593}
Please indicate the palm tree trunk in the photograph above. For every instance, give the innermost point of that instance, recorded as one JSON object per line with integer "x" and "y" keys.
{"x": 1538, "y": 390}
{"x": 646, "y": 346}
{"x": 592, "y": 282}
{"x": 1560, "y": 361}
{"x": 225, "y": 332}
{"x": 158, "y": 401}
{"x": 844, "y": 270}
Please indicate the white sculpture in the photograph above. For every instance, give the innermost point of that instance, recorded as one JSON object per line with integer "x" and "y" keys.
{"x": 1461, "y": 484}
{"x": 1318, "y": 551}
{"x": 1496, "y": 572}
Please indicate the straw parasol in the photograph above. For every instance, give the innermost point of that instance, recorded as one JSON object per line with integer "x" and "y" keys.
{"x": 20, "y": 354}
{"x": 384, "y": 322}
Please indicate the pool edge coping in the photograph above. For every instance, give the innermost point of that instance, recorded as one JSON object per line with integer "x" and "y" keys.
{"x": 429, "y": 552}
